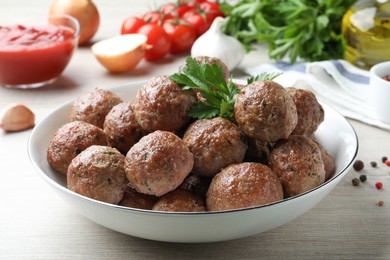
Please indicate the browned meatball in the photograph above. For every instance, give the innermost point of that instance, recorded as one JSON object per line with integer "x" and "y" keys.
{"x": 121, "y": 128}
{"x": 158, "y": 163}
{"x": 258, "y": 151}
{"x": 211, "y": 60}
{"x": 298, "y": 163}
{"x": 70, "y": 140}
{"x": 329, "y": 164}
{"x": 97, "y": 172}
{"x": 215, "y": 143}
{"x": 265, "y": 111}
{"x": 196, "y": 184}
{"x": 161, "y": 104}
{"x": 134, "y": 199}
{"x": 93, "y": 107}
{"x": 243, "y": 185}
{"x": 310, "y": 112}
{"x": 180, "y": 201}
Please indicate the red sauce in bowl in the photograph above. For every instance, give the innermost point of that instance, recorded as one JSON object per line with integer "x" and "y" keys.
{"x": 32, "y": 55}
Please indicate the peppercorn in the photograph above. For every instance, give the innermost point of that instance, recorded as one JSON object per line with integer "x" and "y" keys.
{"x": 381, "y": 203}
{"x": 384, "y": 159}
{"x": 373, "y": 164}
{"x": 379, "y": 185}
{"x": 363, "y": 178}
{"x": 387, "y": 78}
{"x": 355, "y": 182}
{"x": 387, "y": 162}
{"x": 358, "y": 165}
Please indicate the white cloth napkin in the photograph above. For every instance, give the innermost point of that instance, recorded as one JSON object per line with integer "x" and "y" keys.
{"x": 335, "y": 82}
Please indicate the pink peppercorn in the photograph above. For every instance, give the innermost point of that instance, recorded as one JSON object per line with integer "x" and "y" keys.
{"x": 387, "y": 162}
{"x": 379, "y": 185}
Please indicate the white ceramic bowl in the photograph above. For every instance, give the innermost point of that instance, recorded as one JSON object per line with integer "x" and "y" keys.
{"x": 380, "y": 91}
{"x": 335, "y": 133}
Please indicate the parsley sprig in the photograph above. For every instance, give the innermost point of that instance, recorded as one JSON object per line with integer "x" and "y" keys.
{"x": 217, "y": 95}
{"x": 208, "y": 80}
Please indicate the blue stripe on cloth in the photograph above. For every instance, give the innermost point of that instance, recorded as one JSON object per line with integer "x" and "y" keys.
{"x": 285, "y": 66}
{"x": 349, "y": 75}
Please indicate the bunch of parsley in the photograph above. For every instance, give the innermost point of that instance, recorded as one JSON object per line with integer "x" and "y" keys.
{"x": 305, "y": 29}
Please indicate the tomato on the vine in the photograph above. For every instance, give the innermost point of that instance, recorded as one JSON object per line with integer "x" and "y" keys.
{"x": 182, "y": 35}
{"x": 211, "y": 9}
{"x": 132, "y": 25}
{"x": 197, "y": 21}
{"x": 152, "y": 17}
{"x": 158, "y": 39}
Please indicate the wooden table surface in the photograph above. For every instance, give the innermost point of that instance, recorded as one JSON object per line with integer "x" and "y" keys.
{"x": 36, "y": 224}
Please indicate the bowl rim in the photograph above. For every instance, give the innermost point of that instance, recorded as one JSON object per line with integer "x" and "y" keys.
{"x": 65, "y": 190}
{"x": 378, "y": 76}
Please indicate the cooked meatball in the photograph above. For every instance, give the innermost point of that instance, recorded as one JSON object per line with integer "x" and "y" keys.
{"x": 298, "y": 163}
{"x": 329, "y": 164}
{"x": 180, "y": 201}
{"x": 196, "y": 184}
{"x": 121, "y": 128}
{"x": 97, "y": 172}
{"x": 211, "y": 60}
{"x": 93, "y": 107}
{"x": 265, "y": 111}
{"x": 161, "y": 104}
{"x": 215, "y": 143}
{"x": 310, "y": 112}
{"x": 258, "y": 151}
{"x": 70, "y": 140}
{"x": 158, "y": 163}
{"x": 134, "y": 199}
{"x": 243, "y": 185}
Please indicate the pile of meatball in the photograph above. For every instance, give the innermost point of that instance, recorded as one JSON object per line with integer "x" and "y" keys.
{"x": 148, "y": 153}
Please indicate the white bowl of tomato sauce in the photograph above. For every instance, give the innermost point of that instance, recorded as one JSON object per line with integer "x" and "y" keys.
{"x": 34, "y": 56}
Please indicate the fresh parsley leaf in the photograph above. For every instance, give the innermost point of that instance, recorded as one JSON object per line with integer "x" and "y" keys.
{"x": 208, "y": 80}
{"x": 264, "y": 76}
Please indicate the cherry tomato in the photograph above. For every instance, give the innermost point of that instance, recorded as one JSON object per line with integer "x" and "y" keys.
{"x": 191, "y": 2}
{"x": 168, "y": 8}
{"x": 158, "y": 39}
{"x": 182, "y": 36}
{"x": 152, "y": 17}
{"x": 182, "y": 9}
{"x": 197, "y": 21}
{"x": 131, "y": 25}
{"x": 212, "y": 10}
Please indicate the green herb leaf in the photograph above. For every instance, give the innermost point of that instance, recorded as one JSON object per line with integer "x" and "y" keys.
{"x": 208, "y": 80}
{"x": 264, "y": 76}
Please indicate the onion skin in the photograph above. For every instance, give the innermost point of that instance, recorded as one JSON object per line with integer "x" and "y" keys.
{"x": 84, "y": 11}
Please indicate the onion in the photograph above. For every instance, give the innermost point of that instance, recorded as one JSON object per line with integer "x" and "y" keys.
{"x": 84, "y": 11}
{"x": 120, "y": 53}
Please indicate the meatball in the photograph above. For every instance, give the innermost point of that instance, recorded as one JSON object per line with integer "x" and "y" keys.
{"x": 215, "y": 143}
{"x": 298, "y": 163}
{"x": 310, "y": 112}
{"x": 196, "y": 184}
{"x": 265, "y": 111}
{"x": 243, "y": 185}
{"x": 134, "y": 199}
{"x": 97, "y": 172}
{"x": 121, "y": 128}
{"x": 158, "y": 163}
{"x": 180, "y": 201}
{"x": 211, "y": 60}
{"x": 258, "y": 151}
{"x": 161, "y": 104}
{"x": 329, "y": 164}
{"x": 94, "y": 106}
{"x": 70, "y": 140}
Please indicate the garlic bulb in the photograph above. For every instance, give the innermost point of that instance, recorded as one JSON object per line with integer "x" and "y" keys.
{"x": 215, "y": 43}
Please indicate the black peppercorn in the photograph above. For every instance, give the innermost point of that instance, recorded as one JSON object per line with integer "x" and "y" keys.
{"x": 373, "y": 164}
{"x": 363, "y": 178}
{"x": 358, "y": 165}
{"x": 355, "y": 181}
{"x": 384, "y": 159}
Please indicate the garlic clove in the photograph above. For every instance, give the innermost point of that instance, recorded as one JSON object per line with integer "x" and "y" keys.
{"x": 120, "y": 53}
{"x": 16, "y": 117}
{"x": 214, "y": 43}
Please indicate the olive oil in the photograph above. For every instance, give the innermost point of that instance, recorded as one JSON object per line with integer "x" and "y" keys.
{"x": 366, "y": 30}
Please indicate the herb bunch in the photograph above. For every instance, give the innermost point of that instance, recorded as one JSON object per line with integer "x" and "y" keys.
{"x": 306, "y": 29}
{"x": 217, "y": 95}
